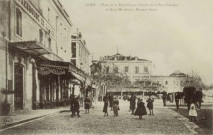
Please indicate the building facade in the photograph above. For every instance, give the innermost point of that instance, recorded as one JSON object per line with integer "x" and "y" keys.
{"x": 35, "y": 37}
{"x": 80, "y": 58}
{"x": 134, "y": 68}
{"x": 80, "y": 53}
{"x": 171, "y": 83}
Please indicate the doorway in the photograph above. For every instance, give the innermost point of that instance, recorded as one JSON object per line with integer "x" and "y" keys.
{"x": 18, "y": 88}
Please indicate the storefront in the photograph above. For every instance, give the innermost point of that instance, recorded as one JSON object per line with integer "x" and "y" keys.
{"x": 22, "y": 65}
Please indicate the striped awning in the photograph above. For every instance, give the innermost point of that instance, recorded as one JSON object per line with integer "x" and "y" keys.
{"x": 46, "y": 67}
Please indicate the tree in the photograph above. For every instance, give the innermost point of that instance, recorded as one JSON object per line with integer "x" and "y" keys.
{"x": 103, "y": 74}
{"x": 195, "y": 80}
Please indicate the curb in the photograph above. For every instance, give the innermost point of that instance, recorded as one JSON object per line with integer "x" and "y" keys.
{"x": 7, "y": 126}
{"x": 192, "y": 127}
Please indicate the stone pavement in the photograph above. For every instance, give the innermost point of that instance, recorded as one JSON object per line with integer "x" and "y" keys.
{"x": 165, "y": 121}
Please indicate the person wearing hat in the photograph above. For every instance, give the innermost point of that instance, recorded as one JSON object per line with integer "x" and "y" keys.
{"x": 110, "y": 101}
{"x": 72, "y": 105}
{"x": 106, "y": 103}
{"x": 140, "y": 110}
{"x": 76, "y": 106}
{"x": 132, "y": 100}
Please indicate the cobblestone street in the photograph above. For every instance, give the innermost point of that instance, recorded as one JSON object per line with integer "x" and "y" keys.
{"x": 95, "y": 123}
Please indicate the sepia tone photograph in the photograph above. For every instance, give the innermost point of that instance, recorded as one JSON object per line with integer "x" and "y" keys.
{"x": 114, "y": 67}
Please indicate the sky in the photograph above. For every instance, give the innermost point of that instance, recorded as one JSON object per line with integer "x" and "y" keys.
{"x": 174, "y": 38}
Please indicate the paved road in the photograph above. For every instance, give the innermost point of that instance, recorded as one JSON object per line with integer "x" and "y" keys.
{"x": 95, "y": 123}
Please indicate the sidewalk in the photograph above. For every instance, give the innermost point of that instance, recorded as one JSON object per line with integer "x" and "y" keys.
{"x": 22, "y": 116}
{"x": 204, "y": 125}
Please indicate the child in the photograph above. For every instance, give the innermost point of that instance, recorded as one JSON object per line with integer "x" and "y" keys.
{"x": 87, "y": 105}
{"x": 150, "y": 101}
{"x": 193, "y": 112}
{"x": 141, "y": 110}
{"x": 115, "y": 106}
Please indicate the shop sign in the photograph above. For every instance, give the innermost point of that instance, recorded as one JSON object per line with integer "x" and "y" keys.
{"x": 32, "y": 11}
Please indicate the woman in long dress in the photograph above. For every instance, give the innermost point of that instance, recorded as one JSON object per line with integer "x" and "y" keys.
{"x": 141, "y": 110}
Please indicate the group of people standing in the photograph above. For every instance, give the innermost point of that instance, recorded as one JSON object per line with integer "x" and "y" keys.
{"x": 140, "y": 110}
{"x": 113, "y": 103}
{"x": 75, "y": 106}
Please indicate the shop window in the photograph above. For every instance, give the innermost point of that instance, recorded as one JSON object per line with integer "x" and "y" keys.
{"x": 18, "y": 22}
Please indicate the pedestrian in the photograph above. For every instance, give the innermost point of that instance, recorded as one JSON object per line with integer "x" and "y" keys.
{"x": 87, "y": 103}
{"x": 177, "y": 97}
{"x": 76, "y": 106}
{"x": 164, "y": 98}
{"x": 193, "y": 111}
{"x": 199, "y": 98}
{"x": 72, "y": 105}
{"x": 140, "y": 110}
{"x": 132, "y": 100}
{"x": 110, "y": 101}
{"x": 150, "y": 101}
{"x": 106, "y": 103}
{"x": 115, "y": 106}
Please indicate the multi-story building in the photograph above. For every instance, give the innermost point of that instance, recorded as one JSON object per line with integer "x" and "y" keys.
{"x": 35, "y": 37}
{"x": 134, "y": 68}
{"x": 80, "y": 53}
{"x": 80, "y": 58}
{"x": 171, "y": 83}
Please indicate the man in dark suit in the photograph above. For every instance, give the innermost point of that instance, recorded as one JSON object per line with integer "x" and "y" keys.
{"x": 132, "y": 101}
{"x": 177, "y": 97}
{"x": 76, "y": 106}
{"x": 164, "y": 98}
{"x": 72, "y": 105}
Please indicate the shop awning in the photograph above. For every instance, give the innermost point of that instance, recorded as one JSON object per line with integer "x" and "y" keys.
{"x": 78, "y": 77}
{"x": 31, "y": 47}
{"x": 46, "y": 67}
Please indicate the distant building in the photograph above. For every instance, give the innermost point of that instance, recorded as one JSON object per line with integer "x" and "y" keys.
{"x": 172, "y": 83}
{"x": 134, "y": 68}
